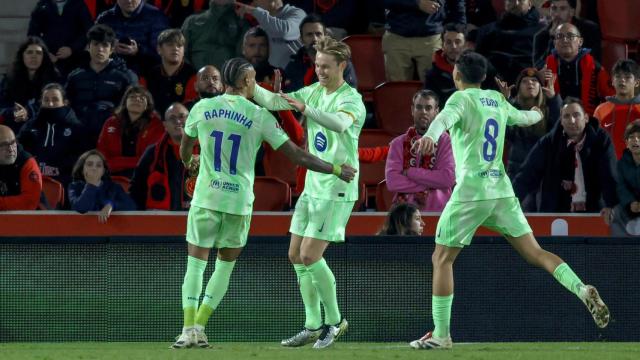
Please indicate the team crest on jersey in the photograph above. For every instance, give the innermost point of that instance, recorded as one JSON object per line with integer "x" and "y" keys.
{"x": 179, "y": 89}
{"x": 320, "y": 142}
{"x": 67, "y": 132}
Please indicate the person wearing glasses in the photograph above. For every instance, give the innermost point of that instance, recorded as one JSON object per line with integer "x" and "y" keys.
{"x": 578, "y": 73}
{"x": 20, "y": 178}
{"x": 160, "y": 181}
{"x": 126, "y": 135}
{"x": 560, "y": 12}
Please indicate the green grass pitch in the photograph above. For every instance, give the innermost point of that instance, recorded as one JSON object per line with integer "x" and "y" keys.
{"x": 340, "y": 351}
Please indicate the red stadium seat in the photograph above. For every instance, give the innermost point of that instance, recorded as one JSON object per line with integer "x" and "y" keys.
{"x": 392, "y": 101}
{"x": 372, "y": 174}
{"x": 123, "y": 181}
{"x": 613, "y": 51}
{"x": 384, "y": 197}
{"x": 272, "y": 194}
{"x": 368, "y": 60}
{"x": 619, "y": 20}
{"x": 53, "y": 192}
{"x": 276, "y": 164}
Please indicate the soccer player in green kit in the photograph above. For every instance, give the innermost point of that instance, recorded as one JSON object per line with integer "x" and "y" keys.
{"x": 334, "y": 117}
{"x": 230, "y": 130}
{"x": 476, "y": 120}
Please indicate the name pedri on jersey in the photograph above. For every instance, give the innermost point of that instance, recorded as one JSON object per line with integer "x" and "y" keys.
{"x": 230, "y": 130}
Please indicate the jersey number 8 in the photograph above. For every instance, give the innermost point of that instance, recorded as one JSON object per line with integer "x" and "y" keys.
{"x": 490, "y": 145}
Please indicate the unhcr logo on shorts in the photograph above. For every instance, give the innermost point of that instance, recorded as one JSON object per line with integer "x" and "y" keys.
{"x": 320, "y": 142}
{"x": 216, "y": 184}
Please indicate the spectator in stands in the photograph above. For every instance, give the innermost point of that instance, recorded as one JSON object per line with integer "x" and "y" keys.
{"x": 97, "y": 7}
{"x": 255, "y": 49}
{"x": 301, "y": 69}
{"x": 177, "y": 11}
{"x": 622, "y": 108}
{"x": 344, "y": 17}
{"x": 578, "y": 73}
{"x": 215, "y": 35}
{"x": 532, "y": 90}
{"x": 160, "y": 180}
{"x": 413, "y": 34}
{"x": 174, "y": 79}
{"x": 134, "y": 126}
{"x": 507, "y": 43}
{"x": 93, "y": 190}
{"x": 572, "y": 166}
{"x": 439, "y": 78}
{"x": 20, "y": 178}
{"x": 208, "y": 84}
{"x": 20, "y": 87}
{"x": 627, "y": 214}
{"x": 137, "y": 26}
{"x": 95, "y": 88}
{"x": 564, "y": 11}
{"x": 479, "y": 12}
{"x": 55, "y": 136}
{"x": 423, "y": 180}
{"x": 403, "y": 219}
{"x": 281, "y": 23}
{"x": 62, "y": 24}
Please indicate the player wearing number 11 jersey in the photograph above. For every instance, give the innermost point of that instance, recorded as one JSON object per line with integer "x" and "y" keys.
{"x": 230, "y": 129}
{"x": 476, "y": 120}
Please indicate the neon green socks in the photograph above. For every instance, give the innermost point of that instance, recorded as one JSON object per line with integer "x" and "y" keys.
{"x": 325, "y": 284}
{"x": 191, "y": 289}
{"x": 310, "y": 298}
{"x": 441, "y": 313}
{"x": 568, "y": 278}
{"x": 215, "y": 291}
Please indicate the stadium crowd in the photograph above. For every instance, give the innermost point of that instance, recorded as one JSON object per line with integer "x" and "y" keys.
{"x": 98, "y": 94}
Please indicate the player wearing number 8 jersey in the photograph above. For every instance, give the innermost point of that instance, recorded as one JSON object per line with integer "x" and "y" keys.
{"x": 476, "y": 120}
{"x": 230, "y": 130}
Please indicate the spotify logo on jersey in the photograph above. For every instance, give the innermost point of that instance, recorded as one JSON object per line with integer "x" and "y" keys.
{"x": 320, "y": 142}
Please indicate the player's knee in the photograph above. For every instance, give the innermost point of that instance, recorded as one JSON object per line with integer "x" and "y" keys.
{"x": 307, "y": 259}
{"x": 439, "y": 258}
{"x": 294, "y": 257}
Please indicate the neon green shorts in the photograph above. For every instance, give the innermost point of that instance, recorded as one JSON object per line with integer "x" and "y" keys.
{"x": 214, "y": 229}
{"x": 460, "y": 220}
{"x": 321, "y": 219}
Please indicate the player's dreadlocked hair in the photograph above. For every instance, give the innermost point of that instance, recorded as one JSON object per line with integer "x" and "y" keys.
{"x": 330, "y": 46}
{"x": 233, "y": 69}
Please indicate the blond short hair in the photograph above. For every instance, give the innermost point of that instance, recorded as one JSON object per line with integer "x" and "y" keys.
{"x": 330, "y": 46}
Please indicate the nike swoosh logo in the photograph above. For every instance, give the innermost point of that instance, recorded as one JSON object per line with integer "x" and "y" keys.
{"x": 321, "y": 227}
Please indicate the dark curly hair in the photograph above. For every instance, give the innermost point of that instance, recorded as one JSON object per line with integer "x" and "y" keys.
{"x": 20, "y": 87}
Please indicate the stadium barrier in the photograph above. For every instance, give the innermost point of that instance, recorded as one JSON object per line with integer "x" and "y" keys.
{"x": 127, "y": 288}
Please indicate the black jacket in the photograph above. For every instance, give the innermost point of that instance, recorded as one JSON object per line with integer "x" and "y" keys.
{"x": 405, "y": 18}
{"x": 628, "y": 182}
{"x": 93, "y": 95}
{"x": 58, "y": 30}
{"x": 56, "y": 139}
{"x": 508, "y": 43}
{"x": 545, "y": 165}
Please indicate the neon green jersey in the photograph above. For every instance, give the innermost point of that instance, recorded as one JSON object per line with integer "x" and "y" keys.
{"x": 328, "y": 145}
{"x": 230, "y": 130}
{"x": 476, "y": 120}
